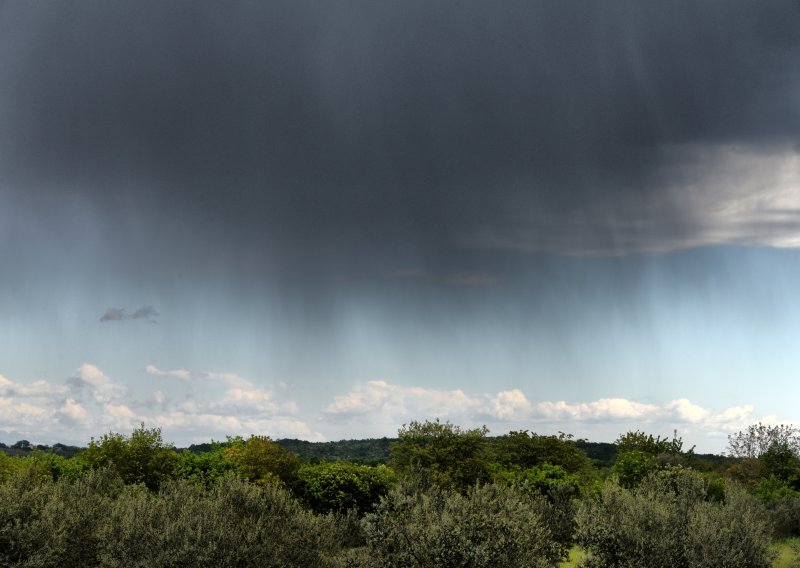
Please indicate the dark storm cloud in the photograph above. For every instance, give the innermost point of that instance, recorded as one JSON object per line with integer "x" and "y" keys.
{"x": 145, "y": 312}
{"x": 118, "y": 314}
{"x": 113, "y": 314}
{"x": 361, "y": 131}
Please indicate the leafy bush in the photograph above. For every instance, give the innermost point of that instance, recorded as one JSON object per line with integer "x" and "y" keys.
{"x": 142, "y": 457}
{"x": 491, "y": 525}
{"x": 8, "y": 466}
{"x": 234, "y": 524}
{"x": 542, "y": 477}
{"x": 47, "y": 523}
{"x": 560, "y": 490}
{"x": 263, "y": 461}
{"x": 339, "y": 486}
{"x": 526, "y": 449}
{"x": 784, "y": 515}
{"x": 443, "y": 454}
{"x": 669, "y": 521}
{"x": 734, "y": 533}
{"x": 205, "y": 467}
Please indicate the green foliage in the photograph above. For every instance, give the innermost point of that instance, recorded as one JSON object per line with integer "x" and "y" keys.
{"x": 756, "y": 439}
{"x": 527, "y": 449}
{"x": 96, "y": 520}
{"x": 600, "y": 453}
{"x": 784, "y": 514}
{"x": 236, "y": 523}
{"x": 641, "y": 454}
{"x": 464, "y": 500}
{"x": 372, "y": 451}
{"x": 340, "y": 486}
{"x": 668, "y": 521}
{"x": 491, "y": 526}
{"x": 47, "y": 523}
{"x": 205, "y": 467}
{"x": 781, "y": 462}
{"x": 769, "y": 488}
{"x": 747, "y": 471}
{"x": 443, "y": 453}
{"x": 632, "y": 466}
{"x": 8, "y": 466}
{"x": 715, "y": 491}
{"x": 560, "y": 490}
{"x": 648, "y": 444}
{"x": 142, "y": 457}
{"x": 541, "y": 478}
{"x": 735, "y": 533}
{"x": 53, "y": 466}
{"x": 263, "y": 461}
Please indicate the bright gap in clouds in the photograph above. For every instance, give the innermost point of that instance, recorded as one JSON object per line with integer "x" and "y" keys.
{"x": 708, "y": 195}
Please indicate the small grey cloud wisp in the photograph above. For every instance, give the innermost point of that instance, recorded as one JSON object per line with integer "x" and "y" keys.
{"x": 148, "y": 313}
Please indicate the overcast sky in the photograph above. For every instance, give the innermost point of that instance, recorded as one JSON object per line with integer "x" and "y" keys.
{"x": 326, "y": 219}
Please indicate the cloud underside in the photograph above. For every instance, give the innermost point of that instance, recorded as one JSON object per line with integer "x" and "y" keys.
{"x": 536, "y": 127}
{"x": 90, "y": 403}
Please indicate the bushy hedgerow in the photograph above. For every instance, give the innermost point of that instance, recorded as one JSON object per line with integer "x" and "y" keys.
{"x": 236, "y": 523}
{"x": 669, "y": 521}
{"x": 489, "y": 526}
{"x": 97, "y": 520}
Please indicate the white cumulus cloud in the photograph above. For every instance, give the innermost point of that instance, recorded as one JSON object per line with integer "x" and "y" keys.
{"x": 181, "y": 374}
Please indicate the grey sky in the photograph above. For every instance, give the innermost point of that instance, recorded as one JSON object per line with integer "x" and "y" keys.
{"x": 310, "y": 193}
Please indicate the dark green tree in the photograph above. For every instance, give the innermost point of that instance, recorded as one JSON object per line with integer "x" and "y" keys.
{"x": 443, "y": 454}
{"x": 527, "y": 449}
{"x": 781, "y": 462}
{"x": 142, "y": 457}
{"x": 263, "y": 461}
{"x": 639, "y": 454}
{"x": 340, "y": 486}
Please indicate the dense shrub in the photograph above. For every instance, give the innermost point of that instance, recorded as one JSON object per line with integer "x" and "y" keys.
{"x": 669, "y": 521}
{"x": 339, "y": 486}
{"x": 490, "y": 526}
{"x": 142, "y": 457}
{"x": 205, "y": 467}
{"x": 8, "y": 466}
{"x": 784, "y": 515}
{"x": 526, "y": 449}
{"x": 560, "y": 490}
{"x": 733, "y": 534}
{"x": 263, "y": 461}
{"x": 443, "y": 454}
{"x": 235, "y": 524}
{"x": 97, "y": 520}
{"x": 47, "y": 523}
